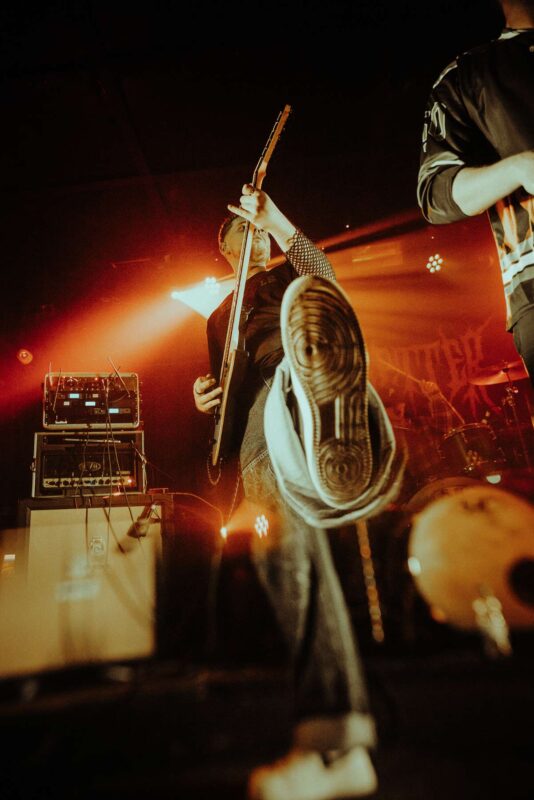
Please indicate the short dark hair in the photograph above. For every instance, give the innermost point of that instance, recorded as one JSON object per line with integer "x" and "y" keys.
{"x": 223, "y": 230}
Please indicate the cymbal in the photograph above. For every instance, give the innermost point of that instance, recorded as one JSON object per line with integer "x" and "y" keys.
{"x": 500, "y": 373}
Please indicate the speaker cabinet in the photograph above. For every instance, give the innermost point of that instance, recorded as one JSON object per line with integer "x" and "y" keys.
{"x": 79, "y": 582}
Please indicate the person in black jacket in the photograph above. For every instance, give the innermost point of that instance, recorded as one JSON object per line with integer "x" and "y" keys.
{"x": 334, "y": 728}
{"x": 478, "y": 155}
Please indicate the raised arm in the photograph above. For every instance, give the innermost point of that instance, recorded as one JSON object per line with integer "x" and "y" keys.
{"x": 257, "y": 207}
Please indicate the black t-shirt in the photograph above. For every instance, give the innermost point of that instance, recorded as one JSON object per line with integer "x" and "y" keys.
{"x": 262, "y": 300}
{"x": 261, "y": 305}
{"x": 480, "y": 110}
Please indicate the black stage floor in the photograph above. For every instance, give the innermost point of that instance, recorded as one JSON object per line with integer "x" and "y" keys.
{"x": 452, "y": 724}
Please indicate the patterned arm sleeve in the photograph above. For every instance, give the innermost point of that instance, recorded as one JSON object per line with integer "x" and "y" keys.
{"x": 449, "y": 143}
{"x": 307, "y": 259}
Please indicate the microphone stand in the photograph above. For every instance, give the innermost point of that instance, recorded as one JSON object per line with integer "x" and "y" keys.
{"x": 509, "y": 400}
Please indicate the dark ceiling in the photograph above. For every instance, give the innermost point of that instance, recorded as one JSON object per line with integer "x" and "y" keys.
{"x": 128, "y": 126}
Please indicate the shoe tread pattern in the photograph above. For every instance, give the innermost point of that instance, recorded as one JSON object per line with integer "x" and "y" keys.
{"x": 328, "y": 354}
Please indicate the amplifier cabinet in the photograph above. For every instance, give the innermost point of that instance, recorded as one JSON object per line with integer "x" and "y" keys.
{"x": 89, "y": 400}
{"x": 85, "y": 463}
{"x": 84, "y": 583}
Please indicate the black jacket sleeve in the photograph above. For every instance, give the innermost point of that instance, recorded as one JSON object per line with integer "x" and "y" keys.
{"x": 449, "y": 143}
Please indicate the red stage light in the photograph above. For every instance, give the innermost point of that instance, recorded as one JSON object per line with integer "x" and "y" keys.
{"x": 24, "y": 356}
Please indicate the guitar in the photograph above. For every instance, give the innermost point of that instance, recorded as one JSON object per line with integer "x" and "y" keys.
{"x": 235, "y": 356}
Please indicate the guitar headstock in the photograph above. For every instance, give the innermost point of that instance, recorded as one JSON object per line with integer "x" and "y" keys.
{"x": 272, "y": 141}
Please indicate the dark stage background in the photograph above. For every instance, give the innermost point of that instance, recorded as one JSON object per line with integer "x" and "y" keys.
{"x": 127, "y": 127}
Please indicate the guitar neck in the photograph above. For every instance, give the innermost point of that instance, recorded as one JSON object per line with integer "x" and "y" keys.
{"x": 233, "y": 336}
{"x": 234, "y": 363}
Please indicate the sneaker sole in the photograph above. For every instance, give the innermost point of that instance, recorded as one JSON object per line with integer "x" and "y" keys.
{"x": 326, "y": 353}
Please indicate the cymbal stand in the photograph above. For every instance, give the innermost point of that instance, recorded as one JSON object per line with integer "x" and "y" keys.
{"x": 509, "y": 400}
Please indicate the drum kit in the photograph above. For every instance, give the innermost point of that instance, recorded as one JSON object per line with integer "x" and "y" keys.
{"x": 474, "y": 451}
{"x": 467, "y": 538}
{"x": 507, "y": 373}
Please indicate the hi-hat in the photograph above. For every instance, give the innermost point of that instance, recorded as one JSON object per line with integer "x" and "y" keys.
{"x": 500, "y": 373}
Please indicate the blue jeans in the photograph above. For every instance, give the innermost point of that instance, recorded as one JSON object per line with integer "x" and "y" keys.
{"x": 295, "y": 567}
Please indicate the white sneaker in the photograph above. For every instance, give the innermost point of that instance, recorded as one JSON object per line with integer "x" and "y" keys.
{"x": 303, "y": 775}
{"x": 326, "y": 354}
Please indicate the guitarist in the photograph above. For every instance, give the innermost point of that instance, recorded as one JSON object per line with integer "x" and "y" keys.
{"x": 334, "y": 728}
{"x": 263, "y": 297}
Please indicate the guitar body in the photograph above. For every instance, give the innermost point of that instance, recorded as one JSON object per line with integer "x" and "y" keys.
{"x": 235, "y": 357}
{"x": 225, "y": 414}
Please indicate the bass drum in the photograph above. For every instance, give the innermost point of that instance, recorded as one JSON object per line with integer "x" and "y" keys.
{"x": 408, "y": 618}
{"x": 439, "y": 488}
{"x": 475, "y": 545}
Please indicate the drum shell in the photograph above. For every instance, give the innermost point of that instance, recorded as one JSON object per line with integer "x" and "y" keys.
{"x": 470, "y": 544}
{"x": 471, "y": 449}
